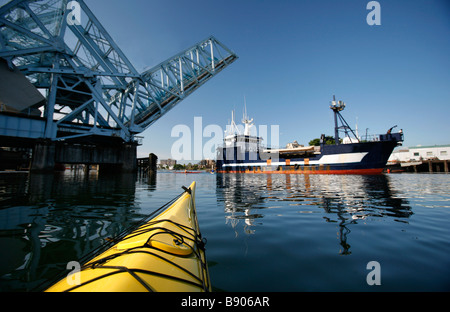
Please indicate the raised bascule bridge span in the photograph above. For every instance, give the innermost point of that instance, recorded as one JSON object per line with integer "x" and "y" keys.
{"x": 70, "y": 93}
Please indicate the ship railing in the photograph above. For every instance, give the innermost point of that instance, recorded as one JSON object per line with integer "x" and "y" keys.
{"x": 260, "y": 147}
{"x": 382, "y": 137}
{"x": 370, "y": 138}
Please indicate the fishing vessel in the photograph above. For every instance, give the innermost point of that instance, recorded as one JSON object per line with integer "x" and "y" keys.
{"x": 351, "y": 154}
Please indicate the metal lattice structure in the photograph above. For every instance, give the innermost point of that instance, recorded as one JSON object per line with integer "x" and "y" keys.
{"x": 91, "y": 88}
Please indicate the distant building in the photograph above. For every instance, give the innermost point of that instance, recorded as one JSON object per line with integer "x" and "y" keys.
{"x": 206, "y": 163}
{"x": 293, "y": 145}
{"x": 170, "y": 163}
{"x": 419, "y": 153}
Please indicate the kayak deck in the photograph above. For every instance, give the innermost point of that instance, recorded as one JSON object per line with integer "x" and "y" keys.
{"x": 166, "y": 254}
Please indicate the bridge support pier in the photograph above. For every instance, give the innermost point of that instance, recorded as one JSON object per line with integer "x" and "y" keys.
{"x": 43, "y": 156}
{"x": 118, "y": 158}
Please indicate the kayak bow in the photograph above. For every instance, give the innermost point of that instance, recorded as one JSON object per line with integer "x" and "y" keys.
{"x": 166, "y": 254}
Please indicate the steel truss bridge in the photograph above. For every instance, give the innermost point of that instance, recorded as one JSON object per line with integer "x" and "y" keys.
{"x": 79, "y": 84}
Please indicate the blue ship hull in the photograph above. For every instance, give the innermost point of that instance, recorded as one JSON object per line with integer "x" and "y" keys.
{"x": 353, "y": 158}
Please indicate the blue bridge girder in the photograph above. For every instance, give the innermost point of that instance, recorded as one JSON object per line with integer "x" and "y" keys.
{"x": 89, "y": 85}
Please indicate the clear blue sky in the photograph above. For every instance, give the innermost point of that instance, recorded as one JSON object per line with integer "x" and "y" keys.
{"x": 293, "y": 56}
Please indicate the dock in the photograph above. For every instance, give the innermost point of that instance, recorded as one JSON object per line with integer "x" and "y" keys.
{"x": 148, "y": 164}
{"x": 430, "y": 165}
{"x": 420, "y": 159}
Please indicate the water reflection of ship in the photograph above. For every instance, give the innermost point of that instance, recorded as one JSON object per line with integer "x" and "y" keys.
{"x": 240, "y": 202}
{"x": 345, "y": 200}
{"x": 50, "y": 220}
{"x": 373, "y": 198}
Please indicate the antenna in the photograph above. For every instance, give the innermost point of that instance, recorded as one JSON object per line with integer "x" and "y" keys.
{"x": 356, "y": 128}
{"x": 248, "y": 123}
{"x": 244, "y": 119}
{"x": 233, "y": 129}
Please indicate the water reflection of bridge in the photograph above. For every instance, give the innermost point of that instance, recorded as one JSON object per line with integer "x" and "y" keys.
{"x": 344, "y": 200}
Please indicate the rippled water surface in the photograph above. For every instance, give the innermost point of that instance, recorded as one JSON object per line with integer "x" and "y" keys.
{"x": 264, "y": 232}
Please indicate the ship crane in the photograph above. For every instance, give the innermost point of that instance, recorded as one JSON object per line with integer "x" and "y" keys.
{"x": 339, "y": 122}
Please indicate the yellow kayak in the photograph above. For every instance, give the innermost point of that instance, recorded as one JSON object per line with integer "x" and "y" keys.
{"x": 166, "y": 254}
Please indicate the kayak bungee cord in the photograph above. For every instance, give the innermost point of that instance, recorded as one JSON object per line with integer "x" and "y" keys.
{"x": 186, "y": 243}
{"x": 99, "y": 264}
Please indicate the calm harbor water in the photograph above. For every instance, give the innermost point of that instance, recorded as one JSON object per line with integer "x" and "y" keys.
{"x": 265, "y": 232}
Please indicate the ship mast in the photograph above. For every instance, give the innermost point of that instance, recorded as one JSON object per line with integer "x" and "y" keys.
{"x": 246, "y": 121}
{"x": 233, "y": 129}
{"x": 337, "y": 107}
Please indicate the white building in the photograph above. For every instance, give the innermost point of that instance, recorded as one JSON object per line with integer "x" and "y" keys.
{"x": 419, "y": 153}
